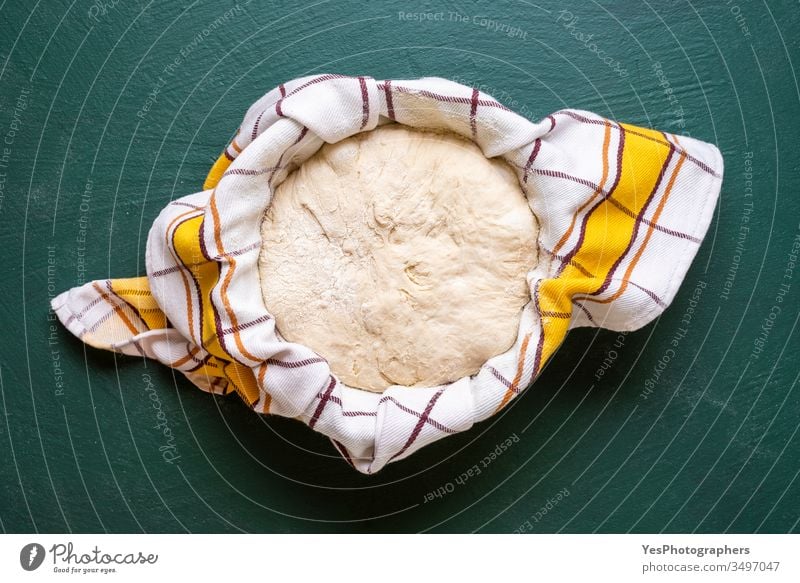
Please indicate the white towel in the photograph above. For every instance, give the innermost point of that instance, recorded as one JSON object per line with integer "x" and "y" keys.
{"x": 622, "y": 211}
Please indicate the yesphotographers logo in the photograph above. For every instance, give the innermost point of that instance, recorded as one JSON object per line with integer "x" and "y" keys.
{"x": 31, "y": 556}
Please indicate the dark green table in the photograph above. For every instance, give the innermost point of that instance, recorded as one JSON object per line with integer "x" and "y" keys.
{"x": 617, "y": 435}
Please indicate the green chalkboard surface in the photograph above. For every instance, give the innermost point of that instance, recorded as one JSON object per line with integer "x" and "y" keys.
{"x": 687, "y": 425}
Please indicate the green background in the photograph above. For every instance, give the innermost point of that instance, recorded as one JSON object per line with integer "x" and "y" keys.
{"x": 713, "y": 448}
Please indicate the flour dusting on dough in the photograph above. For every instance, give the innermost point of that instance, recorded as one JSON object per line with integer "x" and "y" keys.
{"x": 400, "y": 256}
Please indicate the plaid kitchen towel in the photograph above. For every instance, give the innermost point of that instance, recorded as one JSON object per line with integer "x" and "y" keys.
{"x": 621, "y": 209}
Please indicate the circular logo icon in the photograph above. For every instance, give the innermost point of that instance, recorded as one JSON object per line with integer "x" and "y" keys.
{"x": 31, "y": 556}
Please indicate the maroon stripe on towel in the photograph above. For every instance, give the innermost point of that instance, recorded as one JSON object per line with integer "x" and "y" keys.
{"x": 365, "y": 101}
{"x": 420, "y": 424}
{"x": 322, "y": 402}
{"x": 387, "y": 88}
{"x": 295, "y": 364}
{"x": 473, "y": 113}
{"x": 536, "y": 145}
{"x": 445, "y": 98}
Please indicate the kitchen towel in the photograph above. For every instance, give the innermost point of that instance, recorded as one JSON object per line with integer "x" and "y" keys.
{"x": 622, "y": 211}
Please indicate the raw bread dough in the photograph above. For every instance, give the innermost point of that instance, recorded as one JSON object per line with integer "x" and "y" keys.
{"x": 399, "y": 256}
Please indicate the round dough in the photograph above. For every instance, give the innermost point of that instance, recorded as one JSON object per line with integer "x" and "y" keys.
{"x": 400, "y": 256}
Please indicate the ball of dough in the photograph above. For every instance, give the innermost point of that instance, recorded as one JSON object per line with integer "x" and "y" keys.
{"x": 400, "y": 256}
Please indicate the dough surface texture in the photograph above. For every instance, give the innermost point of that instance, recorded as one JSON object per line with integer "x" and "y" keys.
{"x": 400, "y": 256}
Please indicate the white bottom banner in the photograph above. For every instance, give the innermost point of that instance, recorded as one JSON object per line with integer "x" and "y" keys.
{"x": 493, "y": 558}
